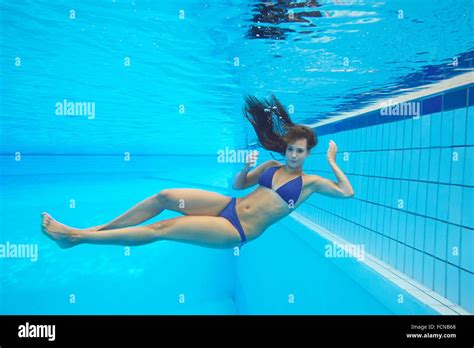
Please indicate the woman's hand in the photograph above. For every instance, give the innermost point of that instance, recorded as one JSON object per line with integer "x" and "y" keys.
{"x": 251, "y": 159}
{"x": 332, "y": 151}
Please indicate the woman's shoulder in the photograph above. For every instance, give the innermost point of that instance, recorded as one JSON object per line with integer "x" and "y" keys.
{"x": 273, "y": 163}
{"x": 313, "y": 178}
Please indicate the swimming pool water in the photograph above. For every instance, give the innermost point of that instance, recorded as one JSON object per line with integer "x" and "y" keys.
{"x": 164, "y": 83}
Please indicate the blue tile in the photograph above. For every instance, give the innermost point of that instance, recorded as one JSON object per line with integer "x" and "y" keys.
{"x": 470, "y": 126}
{"x": 379, "y": 137}
{"x": 441, "y": 240}
{"x": 443, "y": 202}
{"x": 455, "y": 100}
{"x": 431, "y": 105}
{"x": 392, "y": 141}
{"x": 406, "y": 164}
{"x": 402, "y": 226}
{"x": 385, "y": 136}
{"x": 430, "y": 231}
{"x": 415, "y": 161}
{"x": 363, "y": 138}
{"x": 360, "y": 121}
{"x": 400, "y": 133}
{"x": 424, "y": 164}
{"x": 392, "y": 260}
{"x": 388, "y": 192}
{"x": 368, "y": 138}
{"x": 428, "y": 271}
{"x": 418, "y": 266}
{"x": 452, "y": 283}
{"x": 408, "y": 262}
{"x": 380, "y": 220}
{"x": 433, "y": 170}
{"x": 395, "y": 194}
{"x": 435, "y": 129}
{"x": 372, "y": 119}
{"x": 385, "y": 249}
{"x": 431, "y": 200}
{"x": 467, "y": 204}
{"x": 445, "y": 165}
{"x": 401, "y": 256}
{"x": 411, "y": 202}
{"x": 390, "y": 162}
{"x": 453, "y": 248}
{"x": 457, "y": 165}
{"x": 440, "y": 277}
{"x": 421, "y": 198}
{"x": 469, "y": 166}
{"x": 471, "y": 96}
{"x": 380, "y": 163}
{"x": 425, "y": 131}
{"x": 455, "y": 201}
{"x": 459, "y": 126}
{"x": 368, "y": 211}
{"x": 416, "y": 135}
{"x": 393, "y": 224}
{"x": 419, "y": 232}
{"x": 408, "y": 131}
{"x": 466, "y": 252}
{"x": 410, "y": 230}
{"x": 467, "y": 289}
{"x": 447, "y": 126}
{"x": 374, "y": 240}
{"x": 376, "y": 191}
{"x": 397, "y": 172}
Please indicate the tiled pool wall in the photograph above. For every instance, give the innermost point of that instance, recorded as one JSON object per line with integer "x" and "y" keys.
{"x": 413, "y": 182}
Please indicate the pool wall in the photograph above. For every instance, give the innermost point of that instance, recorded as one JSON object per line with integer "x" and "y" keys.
{"x": 413, "y": 183}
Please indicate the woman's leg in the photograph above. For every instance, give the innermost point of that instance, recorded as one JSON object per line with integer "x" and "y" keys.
{"x": 186, "y": 201}
{"x": 139, "y": 213}
{"x": 213, "y": 232}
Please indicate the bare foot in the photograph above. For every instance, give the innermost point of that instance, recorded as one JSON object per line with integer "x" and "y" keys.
{"x": 65, "y": 236}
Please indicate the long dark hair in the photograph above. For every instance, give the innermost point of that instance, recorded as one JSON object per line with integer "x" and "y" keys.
{"x": 273, "y": 125}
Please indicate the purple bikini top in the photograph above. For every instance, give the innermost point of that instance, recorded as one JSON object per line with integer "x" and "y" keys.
{"x": 289, "y": 192}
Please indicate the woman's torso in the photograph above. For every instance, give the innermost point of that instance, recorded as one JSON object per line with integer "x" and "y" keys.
{"x": 264, "y": 206}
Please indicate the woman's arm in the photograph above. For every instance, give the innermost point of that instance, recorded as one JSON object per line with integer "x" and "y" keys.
{"x": 244, "y": 179}
{"x": 340, "y": 189}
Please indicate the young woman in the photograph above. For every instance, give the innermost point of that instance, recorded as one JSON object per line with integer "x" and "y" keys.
{"x": 215, "y": 220}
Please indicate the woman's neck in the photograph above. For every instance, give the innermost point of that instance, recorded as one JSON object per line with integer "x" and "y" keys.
{"x": 297, "y": 170}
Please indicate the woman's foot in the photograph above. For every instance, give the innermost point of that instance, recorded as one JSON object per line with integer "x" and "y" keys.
{"x": 65, "y": 236}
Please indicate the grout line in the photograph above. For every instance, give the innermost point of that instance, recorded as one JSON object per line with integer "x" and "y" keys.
{"x": 432, "y": 299}
{"x": 392, "y": 178}
{"x": 392, "y": 209}
{"x": 405, "y": 244}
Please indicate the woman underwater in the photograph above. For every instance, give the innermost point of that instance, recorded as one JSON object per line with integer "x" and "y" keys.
{"x": 218, "y": 221}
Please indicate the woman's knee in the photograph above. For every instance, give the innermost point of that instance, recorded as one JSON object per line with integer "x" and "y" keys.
{"x": 162, "y": 227}
{"x": 165, "y": 197}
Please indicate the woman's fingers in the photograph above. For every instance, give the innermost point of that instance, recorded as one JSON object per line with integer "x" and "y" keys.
{"x": 252, "y": 158}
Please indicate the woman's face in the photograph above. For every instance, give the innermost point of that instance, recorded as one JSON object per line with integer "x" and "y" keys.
{"x": 296, "y": 153}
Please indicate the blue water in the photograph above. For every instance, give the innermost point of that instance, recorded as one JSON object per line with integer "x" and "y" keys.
{"x": 191, "y": 62}
{"x": 168, "y": 91}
